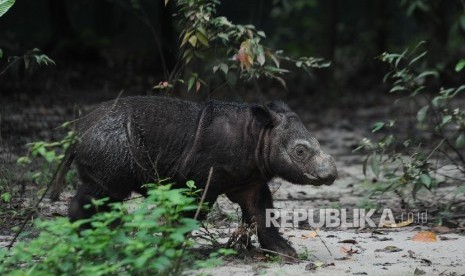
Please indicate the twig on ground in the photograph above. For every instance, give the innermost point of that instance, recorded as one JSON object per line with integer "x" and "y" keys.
{"x": 210, "y": 173}
{"x": 277, "y": 253}
{"x": 321, "y": 239}
{"x": 212, "y": 238}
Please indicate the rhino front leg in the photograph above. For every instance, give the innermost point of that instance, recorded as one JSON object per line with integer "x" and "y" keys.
{"x": 253, "y": 202}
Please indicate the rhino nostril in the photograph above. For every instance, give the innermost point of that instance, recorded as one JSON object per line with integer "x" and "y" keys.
{"x": 327, "y": 174}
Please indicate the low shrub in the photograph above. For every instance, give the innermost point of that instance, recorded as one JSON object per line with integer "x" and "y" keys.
{"x": 153, "y": 239}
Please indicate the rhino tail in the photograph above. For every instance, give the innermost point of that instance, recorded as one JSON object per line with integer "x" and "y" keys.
{"x": 59, "y": 183}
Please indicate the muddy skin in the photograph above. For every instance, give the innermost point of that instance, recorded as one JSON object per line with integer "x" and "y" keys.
{"x": 131, "y": 141}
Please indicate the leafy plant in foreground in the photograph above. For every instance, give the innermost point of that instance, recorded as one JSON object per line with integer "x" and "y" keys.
{"x": 413, "y": 163}
{"x": 150, "y": 240}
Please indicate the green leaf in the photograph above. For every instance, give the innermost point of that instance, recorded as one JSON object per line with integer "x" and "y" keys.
{"x": 446, "y": 119}
{"x": 5, "y": 5}
{"x": 186, "y": 37}
{"x": 50, "y": 156}
{"x": 418, "y": 90}
{"x": 23, "y": 160}
{"x": 275, "y": 69}
{"x": 421, "y": 115}
{"x": 460, "y": 65}
{"x": 377, "y": 126}
{"x": 261, "y": 33}
{"x": 223, "y": 36}
{"x": 190, "y": 83}
{"x": 437, "y": 101}
{"x": 6, "y": 197}
{"x": 193, "y": 40}
{"x": 426, "y": 180}
{"x": 224, "y": 67}
{"x": 460, "y": 142}
{"x": 190, "y": 184}
{"x": 374, "y": 165}
{"x": 397, "y": 88}
{"x": 188, "y": 55}
{"x": 426, "y": 74}
{"x": 1, "y": 53}
{"x": 417, "y": 58}
{"x": 202, "y": 38}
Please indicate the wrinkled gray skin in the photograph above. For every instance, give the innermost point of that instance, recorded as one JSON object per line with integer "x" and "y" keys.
{"x": 136, "y": 140}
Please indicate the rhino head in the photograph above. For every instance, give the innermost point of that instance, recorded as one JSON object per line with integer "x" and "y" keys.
{"x": 290, "y": 151}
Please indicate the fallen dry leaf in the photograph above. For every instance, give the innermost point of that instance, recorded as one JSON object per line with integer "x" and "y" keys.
{"x": 441, "y": 229}
{"x": 442, "y": 238}
{"x": 317, "y": 265}
{"x": 245, "y": 55}
{"x": 389, "y": 249}
{"x": 418, "y": 272}
{"x": 426, "y": 261}
{"x": 347, "y": 251}
{"x": 425, "y": 236}
{"x": 398, "y": 225}
{"x": 378, "y": 232}
{"x": 260, "y": 257}
{"x": 311, "y": 234}
{"x": 349, "y": 241}
{"x": 381, "y": 239}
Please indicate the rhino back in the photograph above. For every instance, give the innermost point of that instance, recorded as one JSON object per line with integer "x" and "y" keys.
{"x": 129, "y": 141}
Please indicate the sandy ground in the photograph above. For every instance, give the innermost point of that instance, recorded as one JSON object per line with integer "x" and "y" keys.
{"x": 354, "y": 251}
{"x": 402, "y": 256}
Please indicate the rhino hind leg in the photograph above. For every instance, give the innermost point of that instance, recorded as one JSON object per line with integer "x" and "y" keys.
{"x": 253, "y": 202}
{"x": 84, "y": 196}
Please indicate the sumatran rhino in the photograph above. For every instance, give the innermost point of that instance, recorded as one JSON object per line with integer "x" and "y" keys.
{"x": 128, "y": 142}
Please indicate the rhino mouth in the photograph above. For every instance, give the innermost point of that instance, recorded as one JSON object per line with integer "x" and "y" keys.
{"x": 316, "y": 180}
{"x": 311, "y": 177}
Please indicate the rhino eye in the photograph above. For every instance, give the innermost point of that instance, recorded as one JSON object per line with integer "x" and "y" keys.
{"x": 300, "y": 152}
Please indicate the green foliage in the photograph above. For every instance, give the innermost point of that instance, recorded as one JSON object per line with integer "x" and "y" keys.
{"x": 304, "y": 254}
{"x": 236, "y": 50}
{"x": 460, "y": 65}
{"x": 409, "y": 163}
{"x": 5, "y": 5}
{"x": 415, "y": 5}
{"x": 6, "y": 187}
{"x": 147, "y": 241}
{"x": 34, "y": 55}
{"x": 5, "y": 197}
{"x": 29, "y": 58}
{"x": 48, "y": 154}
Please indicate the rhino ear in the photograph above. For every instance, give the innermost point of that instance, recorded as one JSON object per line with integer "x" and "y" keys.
{"x": 266, "y": 116}
{"x": 278, "y": 107}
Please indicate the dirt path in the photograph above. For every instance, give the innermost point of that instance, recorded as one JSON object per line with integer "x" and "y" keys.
{"x": 355, "y": 251}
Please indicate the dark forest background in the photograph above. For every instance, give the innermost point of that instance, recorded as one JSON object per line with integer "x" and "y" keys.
{"x": 102, "y": 47}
